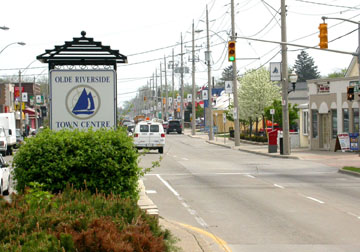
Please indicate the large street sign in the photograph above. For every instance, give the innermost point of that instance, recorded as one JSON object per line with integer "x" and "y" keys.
{"x": 275, "y": 71}
{"x": 82, "y": 99}
{"x": 228, "y": 87}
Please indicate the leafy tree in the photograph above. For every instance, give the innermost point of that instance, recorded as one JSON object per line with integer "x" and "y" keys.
{"x": 338, "y": 74}
{"x": 305, "y": 67}
{"x": 256, "y": 92}
{"x": 293, "y": 113}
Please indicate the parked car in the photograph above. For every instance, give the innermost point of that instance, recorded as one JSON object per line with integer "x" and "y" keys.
{"x": 165, "y": 125}
{"x": 19, "y": 138}
{"x": 149, "y": 135}
{"x": 4, "y": 177}
{"x": 174, "y": 126}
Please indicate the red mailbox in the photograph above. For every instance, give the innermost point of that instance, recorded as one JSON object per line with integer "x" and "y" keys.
{"x": 272, "y": 141}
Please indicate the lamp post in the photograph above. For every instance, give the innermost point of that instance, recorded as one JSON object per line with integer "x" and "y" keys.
{"x": 293, "y": 79}
{"x": 19, "y": 43}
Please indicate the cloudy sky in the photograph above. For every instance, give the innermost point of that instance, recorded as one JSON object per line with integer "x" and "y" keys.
{"x": 146, "y": 31}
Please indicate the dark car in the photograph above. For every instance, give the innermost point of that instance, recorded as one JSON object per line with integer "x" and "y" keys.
{"x": 174, "y": 126}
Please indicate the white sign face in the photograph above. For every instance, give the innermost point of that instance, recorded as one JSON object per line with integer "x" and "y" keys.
{"x": 228, "y": 87}
{"x": 178, "y": 98}
{"x": 224, "y": 118}
{"x": 82, "y": 99}
{"x": 38, "y": 99}
{"x": 24, "y": 97}
{"x": 275, "y": 71}
{"x": 170, "y": 99}
{"x": 204, "y": 94}
{"x": 189, "y": 97}
{"x": 272, "y": 111}
{"x": 159, "y": 105}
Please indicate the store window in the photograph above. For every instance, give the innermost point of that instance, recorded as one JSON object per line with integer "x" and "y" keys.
{"x": 314, "y": 123}
{"x": 305, "y": 122}
{"x": 334, "y": 123}
{"x": 356, "y": 120}
{"x": 346, "y": 120}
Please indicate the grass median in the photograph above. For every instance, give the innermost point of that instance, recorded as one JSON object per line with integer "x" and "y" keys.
{"x": 351, "y": 168}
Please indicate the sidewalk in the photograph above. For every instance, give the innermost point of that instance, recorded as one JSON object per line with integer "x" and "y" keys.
{"x": 336, "y": 159}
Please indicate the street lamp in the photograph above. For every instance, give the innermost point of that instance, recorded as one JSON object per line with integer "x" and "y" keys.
{"x": 293, "y": 79}
{"x": 19, "y": 43}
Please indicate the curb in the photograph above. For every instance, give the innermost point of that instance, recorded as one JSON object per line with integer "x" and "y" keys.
{"x": 351, "y": 173}
{"x": 254, "y": 152}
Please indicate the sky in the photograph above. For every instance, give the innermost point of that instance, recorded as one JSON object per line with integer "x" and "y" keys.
{"x": 147, "y": 31}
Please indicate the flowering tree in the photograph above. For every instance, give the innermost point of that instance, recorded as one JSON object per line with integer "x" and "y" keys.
{"x": 256, "y": 92}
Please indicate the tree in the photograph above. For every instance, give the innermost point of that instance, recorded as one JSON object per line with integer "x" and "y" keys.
{"x": 256, "y": 92}
{"x": 338, "y": 74}
{"x": 226, "y": 75}
{"x": 305, "y": 67}
{"x": 293, "y": 113}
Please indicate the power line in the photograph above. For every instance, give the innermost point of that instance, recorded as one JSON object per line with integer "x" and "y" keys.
{"x": 330, "y": 5}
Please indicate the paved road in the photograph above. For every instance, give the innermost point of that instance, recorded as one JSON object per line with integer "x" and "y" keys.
{"x": 255, "y": 203}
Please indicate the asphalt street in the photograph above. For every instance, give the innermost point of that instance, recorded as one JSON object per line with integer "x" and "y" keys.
{"x": 253, "y": 202}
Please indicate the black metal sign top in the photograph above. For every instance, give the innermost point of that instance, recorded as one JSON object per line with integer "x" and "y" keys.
{"x": 82, "y": 51}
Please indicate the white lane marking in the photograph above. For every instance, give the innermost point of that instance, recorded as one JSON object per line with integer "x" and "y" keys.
{"x": 279, "y": 186}
{"x": 231, "y": 173}
{"x": 185, "y": 159}
{"x": 318, "y": 201}
{"x": 352, "y": 214}
{"x": 250, "y": 176}
{"x": 182, "y": 201}
{"x": 174, "y": 156}
{"x": 168, "y": 185}
{"x": 150, "y": 191}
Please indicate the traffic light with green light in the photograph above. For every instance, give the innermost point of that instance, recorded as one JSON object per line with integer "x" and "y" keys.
{"x": 323, "y": 36}
{"x": 231, "y": 51}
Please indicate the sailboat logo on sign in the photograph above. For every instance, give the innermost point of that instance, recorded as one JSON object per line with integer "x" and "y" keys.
{"x": 82, "y": 102}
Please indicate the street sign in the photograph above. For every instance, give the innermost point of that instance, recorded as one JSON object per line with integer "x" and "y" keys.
{"x": 272, "y": 111}
{"x": 275, "y": 71}
{"x": 178, "y": 98}
{"x": 24, "y": 97}
{"x": 82, "y": 99}
{"x": 228, "y": 87}
{"x": 189, "y": 97}
{"x": 224, "y": 118}
{"x": 204, "y": 94}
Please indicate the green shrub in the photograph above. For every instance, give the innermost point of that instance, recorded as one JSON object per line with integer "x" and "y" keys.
{"x": 77, "y": 220}
{"x": 102, "y": 160}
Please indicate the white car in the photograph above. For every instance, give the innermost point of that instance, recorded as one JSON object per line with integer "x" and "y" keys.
{"x": 149, "y": 135}
{"x": 4, "y": 177}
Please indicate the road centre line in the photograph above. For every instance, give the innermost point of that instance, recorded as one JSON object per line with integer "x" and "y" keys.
{"x": 250, "y": 176}
{"x": 316, "y": 200}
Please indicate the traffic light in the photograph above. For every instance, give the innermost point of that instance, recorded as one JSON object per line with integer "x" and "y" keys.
{"x": 350, "y": 93}
{"x": 323, "y": 36}
{"x": 231, "y": 51}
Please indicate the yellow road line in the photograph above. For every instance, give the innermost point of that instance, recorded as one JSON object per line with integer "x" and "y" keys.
{"x": 218, "y": 240}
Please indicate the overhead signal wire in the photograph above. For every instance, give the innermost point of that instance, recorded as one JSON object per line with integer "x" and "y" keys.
{"x": 330, "y": 5}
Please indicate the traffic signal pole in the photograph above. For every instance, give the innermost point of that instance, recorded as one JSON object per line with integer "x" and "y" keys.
{"x": 235, "y": 93}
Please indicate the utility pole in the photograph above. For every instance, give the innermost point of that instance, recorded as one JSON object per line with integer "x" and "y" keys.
{"x": 173, "y": 84}
{"x": 193, "y": 109}
{"x": 236, "y": 99}
{"x": 161, "y": 94}
{"x": 166, "y": 94}
{"x": 284, "y": 82}
{"x": 156, "y": 95}
{"x": 182, "y": 85}
{"x": 21, "y": 103}
{"x": 211, "y": 135}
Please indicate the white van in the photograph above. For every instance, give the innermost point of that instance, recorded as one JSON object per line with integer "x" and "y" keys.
{"x": 149, "y": 135}
{"x": 7, "y": 121}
